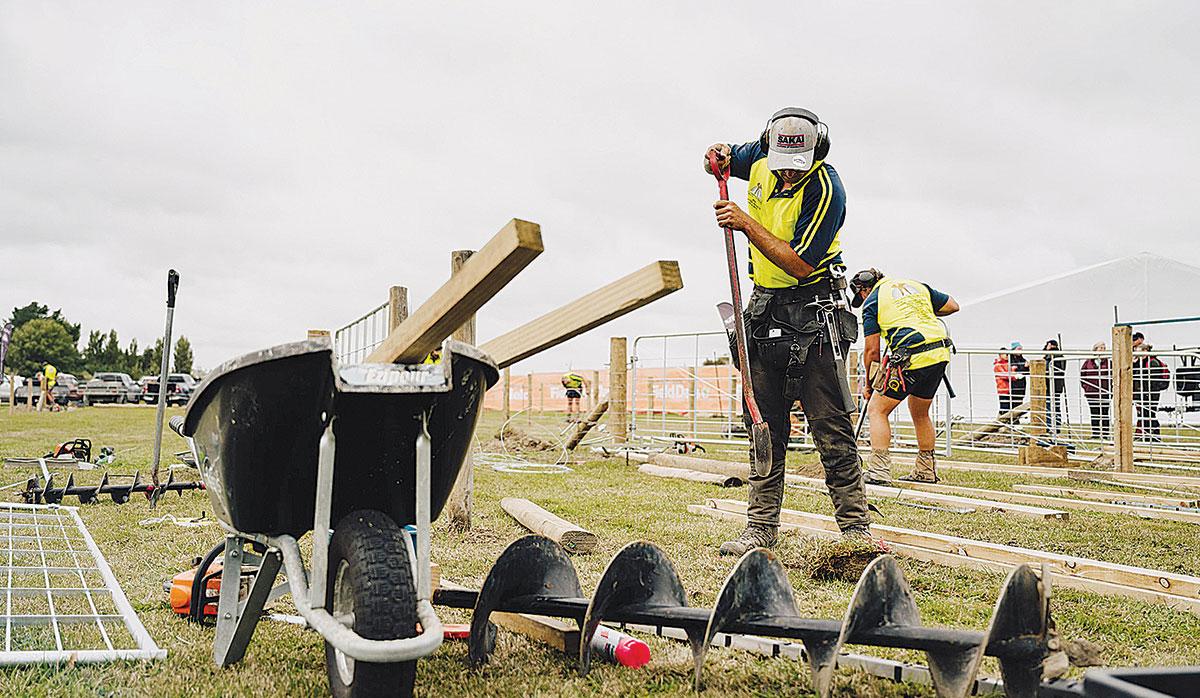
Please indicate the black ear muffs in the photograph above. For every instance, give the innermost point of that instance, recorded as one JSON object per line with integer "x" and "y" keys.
{"x": 822, "y": 147}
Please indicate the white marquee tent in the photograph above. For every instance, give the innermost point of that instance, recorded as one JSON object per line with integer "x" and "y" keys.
{"x": 1079, "y": 306}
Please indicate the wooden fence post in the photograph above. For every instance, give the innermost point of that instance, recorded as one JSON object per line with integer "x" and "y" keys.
{"x": 529, "y": 398}
{"x": 619, "y": 419}
{"x": 1122, "y": 405}
{"x": 541, "y": 399}
{"x": 595, "y": 388}
{"x": 1037, "y": 397}
{"x": 397, "y": 306}
{"x": 459, "y": 505}
{"x": 649, "y": 397}
{"x": 507, "y": 390}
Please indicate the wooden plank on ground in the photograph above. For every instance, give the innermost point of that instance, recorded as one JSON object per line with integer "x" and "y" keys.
{"x": 1065, "y": 565}
{"x": 571, "y": 537}
{"x": 907, "y": 493}
{"x": 560, "y": 634}
{"x": 955, "y": 559}
{"x": 1062, "y": 503}
{"x": 704, "y": 465}
{"x": 692, "y": 475}
{"x": 644, "y": 286}
{"x": 481, "y": 277}
{"x": 1107, "y": 495}
{"x": 1030, "y": 471}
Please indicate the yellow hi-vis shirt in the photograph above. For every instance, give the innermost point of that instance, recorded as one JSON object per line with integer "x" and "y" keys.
{"x": 902, "y": 311}
{"x": 572, "y": 381}
{"x": 818, "y": 201}
{"x": 50, "y": 374}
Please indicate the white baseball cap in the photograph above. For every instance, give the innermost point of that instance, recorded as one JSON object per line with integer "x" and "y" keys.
{"x": 791, "y": 144}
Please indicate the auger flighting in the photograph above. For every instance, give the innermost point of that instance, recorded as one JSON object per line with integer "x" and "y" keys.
{"x": 641, "y": 586}
{"x": 34, "y": 493}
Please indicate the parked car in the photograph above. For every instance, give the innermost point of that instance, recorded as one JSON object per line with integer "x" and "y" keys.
{"x": 179, "y": 389}
{"x": 6, "y": 389}
{"x": 111, "y": 387}
{"x": 66, "y": 390}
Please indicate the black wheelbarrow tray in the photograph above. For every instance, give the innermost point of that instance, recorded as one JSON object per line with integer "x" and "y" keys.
{"x": 289, "y": 441}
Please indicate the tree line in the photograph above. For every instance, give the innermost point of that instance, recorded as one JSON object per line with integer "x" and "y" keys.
{"x": 40, "y": 337}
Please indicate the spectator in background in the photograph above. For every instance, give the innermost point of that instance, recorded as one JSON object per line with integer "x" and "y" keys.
{"x": 1003, "y": 373}
{"x": 1018, "y": 368}
{"x": 1138, "y": 340}
{"x": 1150, "y": 378}
{"x": 1095, "y": 376}
{"x": 1056, "y": 385}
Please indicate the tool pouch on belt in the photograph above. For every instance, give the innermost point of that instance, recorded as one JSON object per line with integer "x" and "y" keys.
{"x": 878, "y": 377}
{"x": 783, "y": 334}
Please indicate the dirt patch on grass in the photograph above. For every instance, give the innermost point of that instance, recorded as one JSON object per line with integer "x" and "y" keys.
{"x": 826, "y": 560}
{"x": 514, "y": 439}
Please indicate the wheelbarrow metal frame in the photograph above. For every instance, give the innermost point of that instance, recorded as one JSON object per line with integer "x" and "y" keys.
{"x": 236, "y": 619}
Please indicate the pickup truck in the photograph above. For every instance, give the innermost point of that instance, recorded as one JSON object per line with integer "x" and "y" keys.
{"x": 179, "y": 389}
{"x": 111, "y": 387}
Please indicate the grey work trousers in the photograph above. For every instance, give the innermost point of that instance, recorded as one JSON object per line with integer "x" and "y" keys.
{"x": 828, "y": 422}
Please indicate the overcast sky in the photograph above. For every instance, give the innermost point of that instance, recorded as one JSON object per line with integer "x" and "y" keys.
{"x": 294, "y": 160}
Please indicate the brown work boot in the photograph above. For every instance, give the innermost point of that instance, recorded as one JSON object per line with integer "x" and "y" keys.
{"x": 878, "y": 469}
{"x": 755, "y": 536}
{"x": 925, "y": 469}
{"x": 856, "y": 532}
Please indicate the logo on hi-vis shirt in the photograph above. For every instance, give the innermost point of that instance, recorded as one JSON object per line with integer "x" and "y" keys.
{"x": 755, "y": 196}
{"x": 901, "y": 291}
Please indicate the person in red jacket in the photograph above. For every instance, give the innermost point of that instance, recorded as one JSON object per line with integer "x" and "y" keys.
{"x": 1096, "y": 378}
{"x": 1003, "y": 372}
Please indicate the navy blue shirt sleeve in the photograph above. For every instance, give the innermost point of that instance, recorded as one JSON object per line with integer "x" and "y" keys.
{"x": 870, "y": 314}
{"x": 937, "y": 298}
{"x": 742, "y": 157}
{"x": 821, "y": 216}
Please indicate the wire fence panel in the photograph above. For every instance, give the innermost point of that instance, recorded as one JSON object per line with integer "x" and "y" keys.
{"x": 356, "y": 340}
{"x": 61, "y": 602}
{"x": 683, "y": 390}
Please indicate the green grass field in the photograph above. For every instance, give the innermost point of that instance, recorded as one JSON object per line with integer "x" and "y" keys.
{"x": 611, "y": 499}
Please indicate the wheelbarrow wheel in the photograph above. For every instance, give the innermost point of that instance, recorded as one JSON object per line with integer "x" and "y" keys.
{"x": 371, "y": 590}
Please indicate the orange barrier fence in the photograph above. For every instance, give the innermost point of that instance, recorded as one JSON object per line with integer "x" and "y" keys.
{"x": 679, "y": 390}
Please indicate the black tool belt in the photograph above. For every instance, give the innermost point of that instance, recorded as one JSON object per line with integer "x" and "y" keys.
{"x": 901, "y": 356}
{"x": 784, "y": 329}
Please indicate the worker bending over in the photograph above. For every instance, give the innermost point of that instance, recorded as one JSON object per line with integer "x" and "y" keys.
{"x": 906, "y": 313}
{"x": 796, "y": 209}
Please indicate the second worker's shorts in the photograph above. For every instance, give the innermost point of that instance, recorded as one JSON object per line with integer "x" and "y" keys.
{"x": 918, "y": 382}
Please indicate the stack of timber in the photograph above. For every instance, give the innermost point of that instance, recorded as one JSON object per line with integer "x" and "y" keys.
{"x": 571, "y": 537}
{"x": 1063, "y": 503}
{"x": 1177, "y": 591}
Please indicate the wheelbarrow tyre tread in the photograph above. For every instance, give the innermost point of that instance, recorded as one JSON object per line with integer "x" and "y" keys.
{"x": 385, "y": 600}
